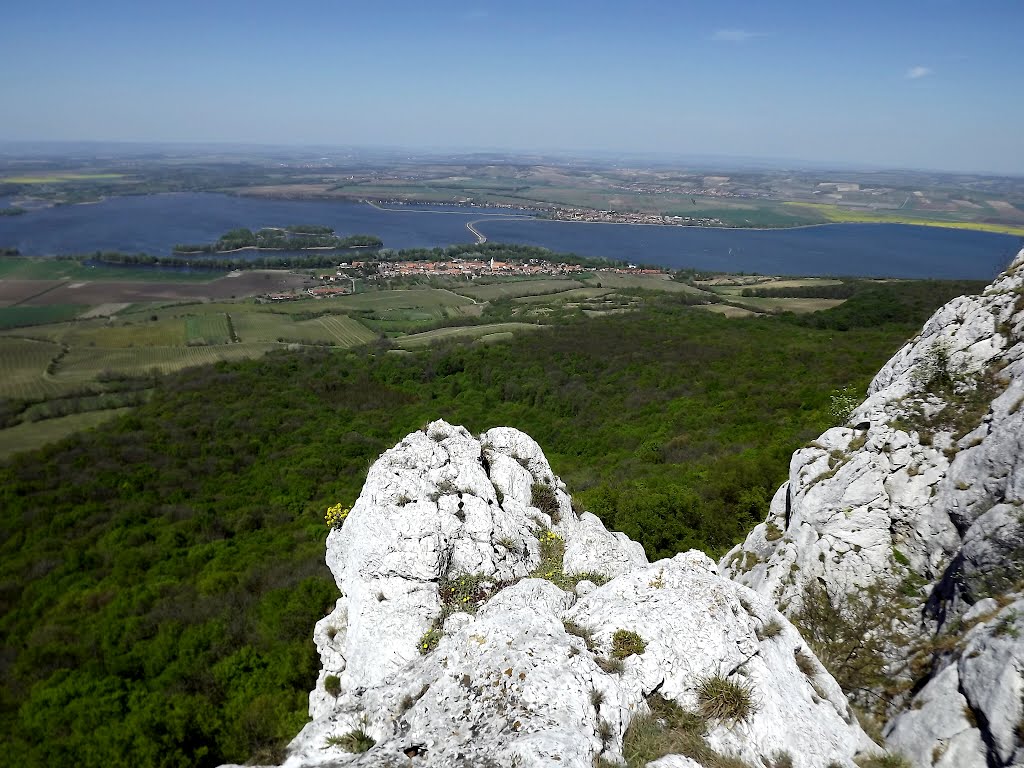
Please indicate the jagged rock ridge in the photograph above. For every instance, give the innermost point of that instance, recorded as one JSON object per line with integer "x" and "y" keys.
{"x": 924, "y": 487}
{"x": 445, "y": 649}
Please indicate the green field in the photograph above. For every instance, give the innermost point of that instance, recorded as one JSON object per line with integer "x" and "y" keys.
{"x": 647, "y": 282}
{"x": 21, "y": 316}
{"x": 412, "y": 298}
{"x": 466, "y": 332}
{"x": 339, "y": 330}
{"x": 261, "y": 326}
{"x": 835, "y": 214}
{"x": 30, "y": 268}
{"x": 162, "y": 311}
{"x": 727, "y": 309}
{"x": 84, "y": 364}
{"x": 208, "y": 328}
{"x": 99, "y": 332}
{"x": 802, "y": 282}
{"x": 164, "y": 338}
{"x": 23, "y": 365}
{"x": 573, "y": 294}
{"x": 785, "y": 305}
{"x": 515, "y": 288}
{"x": 36, "y": 434}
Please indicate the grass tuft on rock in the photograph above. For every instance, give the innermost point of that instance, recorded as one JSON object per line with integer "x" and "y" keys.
{"x": 353, "y": 741}
{"x": 627, "y": 643}
{"x": 543, "y": 498}
{"x": 723, "y": 700}
{"x": 332, "y": 684}
{"x": 769, "y": 630}
{"x": 671, "y": 730}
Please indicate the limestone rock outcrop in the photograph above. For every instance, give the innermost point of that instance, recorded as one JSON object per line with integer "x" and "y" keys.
{"x": 923, "y": 489}
{"x": 484, "y": 621}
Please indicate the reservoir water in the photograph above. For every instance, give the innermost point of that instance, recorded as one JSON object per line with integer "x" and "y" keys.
{"x": 155, "y": 223}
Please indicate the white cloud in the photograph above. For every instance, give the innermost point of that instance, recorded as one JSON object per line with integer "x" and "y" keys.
{"x": 916, "y": 73}
{"x": 733, "y": 35}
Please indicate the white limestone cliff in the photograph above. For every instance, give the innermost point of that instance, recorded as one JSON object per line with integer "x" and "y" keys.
{"x": 924, "y": 486}
{"x": 454, "y": 529}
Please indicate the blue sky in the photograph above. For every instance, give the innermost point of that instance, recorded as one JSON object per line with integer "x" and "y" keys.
{"x": 903, "y": 83}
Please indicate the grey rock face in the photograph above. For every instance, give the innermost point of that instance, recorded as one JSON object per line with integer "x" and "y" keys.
{"x": 519, "y": 670}
{"x": 929, "y": 486}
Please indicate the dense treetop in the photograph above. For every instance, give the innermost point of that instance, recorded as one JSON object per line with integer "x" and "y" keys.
{"x": 160, "y": 577}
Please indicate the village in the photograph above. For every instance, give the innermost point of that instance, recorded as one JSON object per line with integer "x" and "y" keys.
{"x": 617, "y": 217}
{"x": 342, "y": 281}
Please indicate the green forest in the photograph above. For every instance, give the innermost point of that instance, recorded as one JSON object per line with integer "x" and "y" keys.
{"x": 160, "y": 576}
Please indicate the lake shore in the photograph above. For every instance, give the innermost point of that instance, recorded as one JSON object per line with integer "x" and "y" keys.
{"x": 155, "y": 224}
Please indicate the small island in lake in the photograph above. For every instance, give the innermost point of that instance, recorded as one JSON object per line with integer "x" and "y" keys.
{"x": 296, "y": 237}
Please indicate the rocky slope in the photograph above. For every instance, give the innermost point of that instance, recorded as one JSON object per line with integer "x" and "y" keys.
{"x": 484, "y": 621}
{"x": 916, "y": 506}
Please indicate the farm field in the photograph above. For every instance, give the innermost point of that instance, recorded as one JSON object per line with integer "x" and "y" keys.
{"x": 85, "y": 364}
{"x": 727, "y": 309}
{"x": 17, "y": 291}
{"x": 53, "y": 178}
{"x": 36, "y": 434}
{"x": 649, "y": 282}
{"x": 735, "y": 285}
{"x": 799, "y": 283}
{"x": 480, "y": 332}
{"x": 99, "y": 332}
{"x": 257, "y": 326}
{"x": 835, "y": 214}
{"x": 43, "y": 282}
{"x": 401, "y": 298}
{"x": 21, "y": 316}
{"x": 145, "y": 338}
{"x": 799, "y": 306}
{"x": 208, "y": 328}
{"x": 573, "y": 294}
{"x": 66, "y": 368}
{"x": 516, "y": 288}
{"x": 25, "y": 268}
{"x": 165, "y": 335}
{"x": 23, "y": 364}
{"x": 337, "y": 330}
